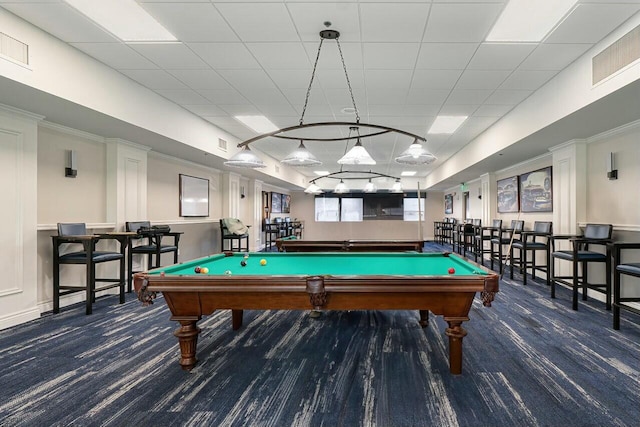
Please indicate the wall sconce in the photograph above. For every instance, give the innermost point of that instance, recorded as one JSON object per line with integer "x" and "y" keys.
{"x": 479, "y": 193}
{"x": 612, "y": 172}
{"x": 71, "y": 168}
{"x": 242, "y": 195}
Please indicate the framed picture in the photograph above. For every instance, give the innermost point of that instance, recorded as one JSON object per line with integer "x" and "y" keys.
{"x": 508, "y": 200}
{"x": 194, "y": 196}
{"x": 286, "y": 203}
{"x": 448, "y": 203}
{"x": 536, "y": 191}
{"x": 276, "y": 203}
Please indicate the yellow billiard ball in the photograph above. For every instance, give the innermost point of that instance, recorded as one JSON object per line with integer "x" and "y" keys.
{"x": 204, "y": 270}
{"x": 263, "y": 262}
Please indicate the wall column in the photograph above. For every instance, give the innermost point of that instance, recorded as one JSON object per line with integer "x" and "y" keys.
{"x": 569, "y": 186}
{"x": 488, "y": 198}
{"x": 255, "y": 192}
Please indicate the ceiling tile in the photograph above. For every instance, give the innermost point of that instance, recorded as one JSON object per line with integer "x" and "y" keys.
{"x": 468, "y": 97}
{"x": 435, "y": 79}
{"x": 292, "y": 79}
{"x": 394, "y": 79}
{"x": 200, "y": 79}
{"x": 427, "y": 96}
{"x": 508, "y": 97}
{"x": 393, "y": 22}
{"x": 528, "y": 79}
{"x": 500, "y": 56}
{"x": 589, "y": 23}
{"x": 390, "y": 56}
{"x": 461, "y": 22}
{"x": 116, "y": 55}
{"x": 445, "y": 56}
{"x": 183, "y": 96}
{"x": 481, "y": 79}
{"x": 259, "y": 22}
{"x": 155, "y": 79}
{"x": 247, "y": 80}
{"x": 385, "y": 96}
{"x": 221, "y": 97}
{"x": 549, "y": 56}
{"x": 280, "y": 55}
{"x": 225, "y": 55}
{"x": 240, "y": 109}
{"x": 191, "y": 21}
{"x": 449, "y": 109}
{"x": 309, "y": 17}
{"x": 492, "y": 110}
{"x": 169, "y": 55}
{"x": 206, "y": 110}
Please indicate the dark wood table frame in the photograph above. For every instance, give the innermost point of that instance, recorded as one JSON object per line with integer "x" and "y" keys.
{"x": 285, "y": 245}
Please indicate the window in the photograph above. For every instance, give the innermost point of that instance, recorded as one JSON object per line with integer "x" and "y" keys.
{"x": 351, "y": 210}
{"x": 383, "y": 206}
{"x": 411, "y": 209}
{"x": 327, "y": 209}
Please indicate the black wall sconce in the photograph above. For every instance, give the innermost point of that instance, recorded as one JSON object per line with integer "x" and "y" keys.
{"x": 71, "y": 167}
{"x": 242, "y": 195}
{"x": 612, "y": 172}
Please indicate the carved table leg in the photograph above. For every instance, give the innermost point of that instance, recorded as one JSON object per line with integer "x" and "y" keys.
{"x": 187, "y": 335}
{"x": 236, "y": 319}
{"x": 424, "y": 318}
{"x": 456, "y": 333}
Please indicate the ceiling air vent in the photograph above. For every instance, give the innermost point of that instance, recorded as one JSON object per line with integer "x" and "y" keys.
{"x": 222, "y": 144}
{"x": 617, "y": 56}
{"x": 14, "y": 49}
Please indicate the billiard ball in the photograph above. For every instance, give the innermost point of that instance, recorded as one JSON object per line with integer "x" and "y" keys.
{"x": 162, "y": 274}
{"x": 263, "y": 261}
{"x": 243, "y": 263}
{"x": 227, "y": 272}
{"x": 197, "y": 270}
{"x": 452, "y": 270}
{"x": 204, "y": 270}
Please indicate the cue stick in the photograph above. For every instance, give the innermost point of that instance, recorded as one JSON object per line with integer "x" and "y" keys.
{"x": 508, "y": 258}
{"x": 420, "y": 231}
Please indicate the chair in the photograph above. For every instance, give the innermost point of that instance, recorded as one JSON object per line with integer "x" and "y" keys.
{"x": 271, "y": 233}
{"x": 234, "y": 231}
{"x": 447, "y": 230}
{"x": 538, "y": 239}
{"x": 76, "y": 233}
{"x": 298, "y": 228}
{"x": 502, "y": 237}
{"x": 464, "y": 236}
{"x": 485, "y": 234}
{"x": 594, "y": 234}
{"x": 151, "y": 245}
{"x": 629, "y": 269}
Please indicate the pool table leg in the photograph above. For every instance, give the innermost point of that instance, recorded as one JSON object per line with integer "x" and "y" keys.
{"x": 236, "y": 319}
{"x": 187, "y": 335}
{"x": 424, "y": 318}
{"x": 456, "y": 333}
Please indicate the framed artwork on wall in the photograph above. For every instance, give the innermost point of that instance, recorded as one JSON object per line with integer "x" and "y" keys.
{"x": 536, "y": 191}
{"x": 508, "y": 197}
{"x": 448, "y": 203}
{"x": 276, "y": 203}
{"x": 194, "y": 196}
{"x": 286, "y": 203}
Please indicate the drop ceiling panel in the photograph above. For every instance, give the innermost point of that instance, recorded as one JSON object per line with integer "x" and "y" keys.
{"x": 116, "y": 55}
{"x": 445, "y": 56}
{"x": 183, "y": 96}
{"x": 191, "y": 21}
{"x": 457, "y": 109}
{"x": 500, "y": 56}
{"x": 481, "y": 79}
{"x": 170, "y": 55}
{"x": 508, "y": 97}
{"x": 548, "y": 56}
{"x": 259, "y": 22}
{"x": 246, "y": 81}
{"x": 468, "y": 97}
{"x": 427, "y": 96}
{"x": 280, "y": 55}
{"x": 393, "y": 22}
{"x": 224, "y": 96}
{"x": 388, "y": 79}
{"x": 155, "y": 79}
{"x": 225, "y": 55}
{"x": 389, "y": 56}
{"x": 206, "y": 110}
{"x": 461, "y": 22}
{"x": 527, "y": 79}
{"x": 330, "y": 55}
{"x": 200, "y": 79}
{"x": 492, "y": 110}
{"x": 309, "y": 17}
{"x": 435, "y": 79}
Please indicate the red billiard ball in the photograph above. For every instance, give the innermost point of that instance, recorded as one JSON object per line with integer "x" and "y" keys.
{"x": 452, "y": 270}
{"x": 197, "y": 270}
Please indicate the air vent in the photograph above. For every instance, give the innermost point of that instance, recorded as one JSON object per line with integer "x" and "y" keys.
{"x": 14, "y": 49}
{"x": 277, "y": 168}
{"x": 617, "y": 56}
{"x": 222, "y": 144}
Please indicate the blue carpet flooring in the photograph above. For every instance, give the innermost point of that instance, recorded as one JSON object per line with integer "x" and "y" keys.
{"x": 528, "y": 361}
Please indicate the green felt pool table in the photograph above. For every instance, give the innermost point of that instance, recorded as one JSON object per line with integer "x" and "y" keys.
{"x": 320, "y": 280}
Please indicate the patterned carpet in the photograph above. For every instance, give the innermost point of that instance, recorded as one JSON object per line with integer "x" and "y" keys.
{"x": 528, "y": 361}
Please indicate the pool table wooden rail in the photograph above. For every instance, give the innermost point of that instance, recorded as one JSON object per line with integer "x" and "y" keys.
{"x": 295, "y": 245}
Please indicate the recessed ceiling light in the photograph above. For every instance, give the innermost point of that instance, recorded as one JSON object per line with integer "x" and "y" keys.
{"x": 125, "y": 19}
{"x": 408, "y": 173}
{"x": 446, "y": 124}
{"x": 259, "y": 124}
{"x": 348, "y": 110}
{"x": 528, "y": 20}
{"x": 321, "y": 173}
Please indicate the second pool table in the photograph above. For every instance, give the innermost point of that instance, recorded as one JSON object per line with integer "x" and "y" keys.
{"x": 320, "y": 281}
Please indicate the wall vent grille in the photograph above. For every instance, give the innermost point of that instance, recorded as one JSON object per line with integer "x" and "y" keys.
{"x": 617, "y": 56}
{"x": 222, "y": 144}
{"x": 14, "y": 49}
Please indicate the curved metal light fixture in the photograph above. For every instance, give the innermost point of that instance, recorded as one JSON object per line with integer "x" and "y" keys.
{"x": 301, "y": 156}
{"x": 342, "y": 175}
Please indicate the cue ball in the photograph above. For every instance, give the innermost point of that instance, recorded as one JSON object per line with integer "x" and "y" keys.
{"x": 228, "y": 272}
{"x": 197, "y": 269}
{"x": 263, "y": 262}
{"x": 452, "y": 270}
{"x": 243, "y": 263}
{"x": 204, "y": 270}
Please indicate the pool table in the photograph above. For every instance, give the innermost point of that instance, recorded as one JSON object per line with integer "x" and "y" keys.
{"x": 320, "y": 281}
